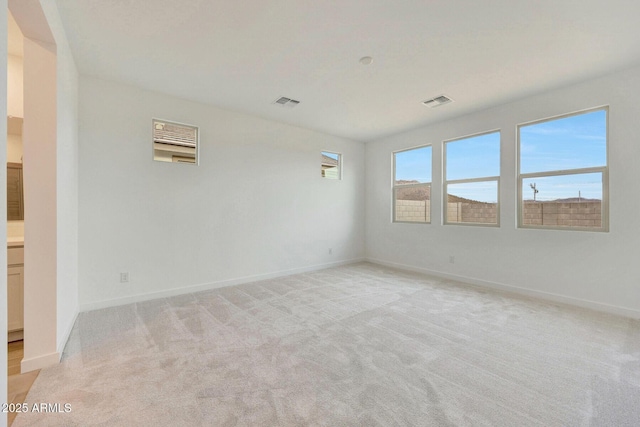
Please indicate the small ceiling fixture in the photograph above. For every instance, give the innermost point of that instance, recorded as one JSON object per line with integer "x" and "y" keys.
{"x": 286, "y": 102}
{"x": 366, "y": 60}
{"x": 437, "y": 101}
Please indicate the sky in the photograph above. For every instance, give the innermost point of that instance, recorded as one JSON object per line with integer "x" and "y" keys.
{"x": 334, "y": 156}
{"x": 572, "y": 142}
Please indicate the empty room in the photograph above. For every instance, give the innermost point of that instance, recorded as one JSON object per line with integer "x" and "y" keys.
{"x": 297, "y": 213}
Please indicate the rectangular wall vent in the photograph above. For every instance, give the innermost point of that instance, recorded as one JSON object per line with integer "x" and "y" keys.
{"x": 437, "y": 101}
{"x": 286, "y": 102}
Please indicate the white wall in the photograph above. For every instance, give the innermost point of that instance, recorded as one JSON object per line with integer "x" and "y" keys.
{"x": 588, "y": 268}
{"x": 66, "y": 178}
{"x": 3, "y": 206}
{"x": 255, "y": 206}
{"x": 51, "y": 182}
{"x": 14, "y": 86}
{"x": 40, "y": 232}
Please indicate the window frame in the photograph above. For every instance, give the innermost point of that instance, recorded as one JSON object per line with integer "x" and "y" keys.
{"x": 446, "y": 183}
{"x": 604, "y": 170}
{"x": 339, "y": 178}
{"x": 394, "y": 187}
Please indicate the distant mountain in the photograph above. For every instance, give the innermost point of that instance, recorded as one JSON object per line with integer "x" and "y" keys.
{"x": 424, "y": 193}
{"x": 576, "y": 199}
{"x": 413, "y": 193}
{"x": 567, "y": 200}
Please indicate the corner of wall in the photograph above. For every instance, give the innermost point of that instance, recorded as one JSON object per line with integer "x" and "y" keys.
{"x": 66, "y": 331}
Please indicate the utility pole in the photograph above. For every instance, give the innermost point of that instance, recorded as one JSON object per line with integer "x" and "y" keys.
{"x": 535, "y": 190}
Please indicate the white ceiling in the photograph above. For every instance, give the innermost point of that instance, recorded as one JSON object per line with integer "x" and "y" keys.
{"x": 244, "y": 54}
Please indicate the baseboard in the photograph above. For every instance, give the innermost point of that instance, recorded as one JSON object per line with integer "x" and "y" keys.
{"x": 62, "y": 340}
{"x": 563, "y": 299}
{"x": 96, "y": 305}
{"x": 39, "y": 362}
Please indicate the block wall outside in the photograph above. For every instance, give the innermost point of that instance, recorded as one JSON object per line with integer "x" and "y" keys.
{"x": 563, "y": 214}
{"x": 574, "y": 214}
{"x": 477, "y": 213}
{"x": 419, "y": 211}
{"x": 413, "y": 210}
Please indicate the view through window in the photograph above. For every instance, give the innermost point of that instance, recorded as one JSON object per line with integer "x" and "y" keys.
{"x": 563, "y": 172}
{"x": 175, "y": 142}
{"x": 330, "y": 166}
{"x": 412, "y": 185}
{"x": 472, "y": 178}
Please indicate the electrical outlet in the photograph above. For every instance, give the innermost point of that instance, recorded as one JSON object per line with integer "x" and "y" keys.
{"x": 452, "y": 259}
{"x": 124, "y": 277}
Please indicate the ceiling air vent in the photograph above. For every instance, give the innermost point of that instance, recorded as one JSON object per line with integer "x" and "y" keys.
{"x": 437, "y": 101}
{"x": 286, "y": 102}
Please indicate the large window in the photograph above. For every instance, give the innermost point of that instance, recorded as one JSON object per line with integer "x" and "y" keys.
{"x": 472, "y": 180}
{"x": 563, "y": 175}
{"x": 412, "y": 185}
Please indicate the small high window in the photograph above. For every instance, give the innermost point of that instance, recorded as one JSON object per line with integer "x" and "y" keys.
{"x": 331, "y": 166}
{"x": 472, "y": 180}
{"x": 412, "y": 185}
{"x": 175, "y": 142}
{"x": 563, "y": 173}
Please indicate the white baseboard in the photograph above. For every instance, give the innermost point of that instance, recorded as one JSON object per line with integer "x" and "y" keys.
{"x": 95, "y": 305}
{"x": 39, "y": 362}
{"x": 62, "y": 340}
{"x": 593, "y": 305}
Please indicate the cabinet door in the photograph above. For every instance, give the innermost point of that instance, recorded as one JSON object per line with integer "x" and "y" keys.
{"x": 15, "y": 298}
{"x": 15, "y": 200}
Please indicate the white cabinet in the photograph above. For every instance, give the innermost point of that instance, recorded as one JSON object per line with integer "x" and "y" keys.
{"x": 15, "y": 292}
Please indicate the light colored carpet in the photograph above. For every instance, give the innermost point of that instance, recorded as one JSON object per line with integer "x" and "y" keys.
{"x": 360, "y": 345}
